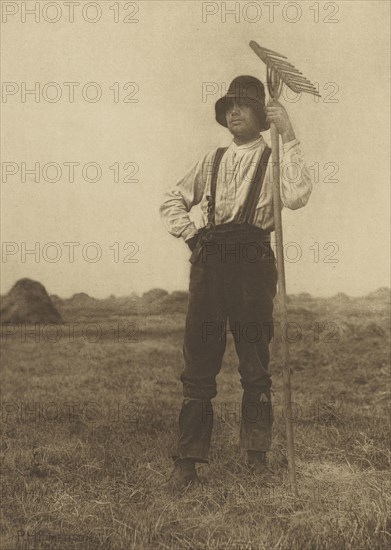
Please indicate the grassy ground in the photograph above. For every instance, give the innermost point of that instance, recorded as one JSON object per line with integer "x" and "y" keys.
{"x": 87, "y": 429}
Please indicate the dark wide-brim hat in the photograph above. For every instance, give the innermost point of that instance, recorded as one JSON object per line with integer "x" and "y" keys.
{"x": 246, "y": 89}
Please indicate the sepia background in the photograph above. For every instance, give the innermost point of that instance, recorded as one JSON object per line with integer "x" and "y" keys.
{"x": 175, "y": 52}
{"x": 91, "y": 360}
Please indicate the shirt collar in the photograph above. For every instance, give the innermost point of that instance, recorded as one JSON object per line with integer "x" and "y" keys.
{"x": 247, "y": 146}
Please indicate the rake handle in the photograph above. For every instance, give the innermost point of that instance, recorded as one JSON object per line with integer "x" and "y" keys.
{"x": 286, "y": 375}
{"x": 280, "y": 72}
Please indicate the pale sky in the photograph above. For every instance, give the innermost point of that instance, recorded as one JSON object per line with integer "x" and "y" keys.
{"x": 170, "y": 54}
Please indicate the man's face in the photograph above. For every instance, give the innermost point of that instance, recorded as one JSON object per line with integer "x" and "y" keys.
{"x": 242, "y": 121}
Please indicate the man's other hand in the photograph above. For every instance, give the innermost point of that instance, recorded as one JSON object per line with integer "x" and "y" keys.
{"x": 192, "y": 242}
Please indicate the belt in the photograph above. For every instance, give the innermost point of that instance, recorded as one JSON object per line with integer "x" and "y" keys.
{"x": 232, "y": 229}
{"x": 213, "y": 232}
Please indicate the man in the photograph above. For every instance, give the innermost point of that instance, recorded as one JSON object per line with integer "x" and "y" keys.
{"x": 233, "y": 274}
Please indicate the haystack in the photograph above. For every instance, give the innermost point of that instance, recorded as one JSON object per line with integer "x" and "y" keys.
{"x": 28, "y": 302}
{"x": 82, "y": 299}
{"x": 383, "y": 294}
{"x": 56, "y": 300}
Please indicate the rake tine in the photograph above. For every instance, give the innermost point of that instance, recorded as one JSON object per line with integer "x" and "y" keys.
{"x": 276, "y": 57}
{"x": 306, "y": 91}
{"x": 298, "y": 90}
{"x": 301, "y": 87}
{"x": 271, "y": 52}
{"x": 301, "y": 84}
{"x": 279, "y": 59}
{"x": 294, "y": 79}
{"x": 282, "y": 61}
{"x": 297, "y": 74}
{"x": 314, "y": 94}
{"x": 289, "y": 72}
{"x": 283, "y": 65}
{"x": 282, "y": 71}
{"x": 286, "y": 68}
{"x": 299, "y": 78}
{"x": 299, "y": 81}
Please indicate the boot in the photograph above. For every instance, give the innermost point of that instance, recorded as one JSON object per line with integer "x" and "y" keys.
{"x": 257, "y": 464}
{"x": 183, "y": 475}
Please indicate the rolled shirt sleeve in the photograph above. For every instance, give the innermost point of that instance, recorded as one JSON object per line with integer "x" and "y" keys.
{"x": 295, "y": 178}
{"x": 178, "y": 201}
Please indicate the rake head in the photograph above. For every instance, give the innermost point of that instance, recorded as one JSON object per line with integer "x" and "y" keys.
{"x": 280, "y": 72}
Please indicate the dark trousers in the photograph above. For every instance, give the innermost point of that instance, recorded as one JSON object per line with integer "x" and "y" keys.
{"x": 233, "y": 277}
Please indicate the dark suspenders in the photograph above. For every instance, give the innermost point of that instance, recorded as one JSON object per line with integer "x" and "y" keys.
{"x": 250, "y": 205}
{"x": 212, "y": 197}
{"x": 247, "y": 214}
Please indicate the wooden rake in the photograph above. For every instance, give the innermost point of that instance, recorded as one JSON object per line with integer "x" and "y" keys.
{"x": 280, "y": 72}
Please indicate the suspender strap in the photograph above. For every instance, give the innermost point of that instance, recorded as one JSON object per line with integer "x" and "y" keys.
{"x": 212, "y": 197}
{"x": 249, "y": 208}
{"x": 250, "y": 205}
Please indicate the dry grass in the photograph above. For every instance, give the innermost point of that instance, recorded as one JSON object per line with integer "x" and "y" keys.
{"x": 88, "y": 428}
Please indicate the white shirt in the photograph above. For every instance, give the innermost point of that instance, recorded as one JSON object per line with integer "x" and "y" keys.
{"x": 234, "y": 177}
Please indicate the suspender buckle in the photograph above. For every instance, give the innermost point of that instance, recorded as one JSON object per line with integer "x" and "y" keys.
{"x": 210, "y": 200}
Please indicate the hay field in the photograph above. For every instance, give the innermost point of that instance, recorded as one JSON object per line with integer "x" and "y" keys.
{"x": 89, "y": 418}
